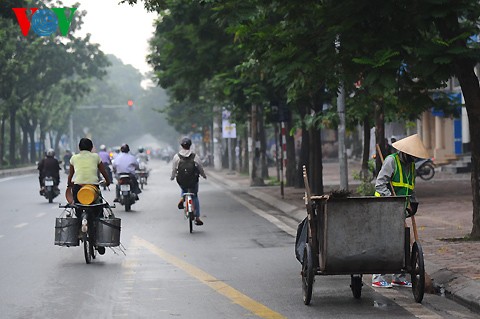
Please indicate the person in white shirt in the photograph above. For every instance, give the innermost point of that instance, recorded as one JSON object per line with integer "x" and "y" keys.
{"x": 126, "y": 163}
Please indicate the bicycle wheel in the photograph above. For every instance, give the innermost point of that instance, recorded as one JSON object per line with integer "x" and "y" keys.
{"x": 190, "y": 221}
{"x": 87, "y": 250}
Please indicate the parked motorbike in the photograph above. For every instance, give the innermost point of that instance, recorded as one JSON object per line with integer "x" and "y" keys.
{"x": 124, "y": 189}
{"x": 50, "y": 191}
{"x": 425, "y": 169}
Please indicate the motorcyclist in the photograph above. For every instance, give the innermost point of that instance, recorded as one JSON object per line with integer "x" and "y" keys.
{"x": 105, "y": 157}
{"x": 142, "y": 157}
{"x": 126, "y": 163}
{"x": 49, "y": 166}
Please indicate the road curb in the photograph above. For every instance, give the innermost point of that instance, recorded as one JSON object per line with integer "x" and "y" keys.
{"x": 454, "y": 286}
{"x": 17, "y": 171}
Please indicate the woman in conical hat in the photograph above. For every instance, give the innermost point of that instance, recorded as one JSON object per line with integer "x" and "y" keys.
{"x": 412, "y": 145}
{"x": 398, "y": 171}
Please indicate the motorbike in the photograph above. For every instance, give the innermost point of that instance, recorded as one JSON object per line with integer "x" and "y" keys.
{"x": 142, "y": 174}
{"x": 50, "y": 191}
{"x": 66, "y": 168}
{"x": 124, "y": 189}
{"x": 425, "y": 169}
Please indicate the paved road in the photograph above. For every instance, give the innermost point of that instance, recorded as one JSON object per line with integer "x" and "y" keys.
{"x": 239, "y": 264}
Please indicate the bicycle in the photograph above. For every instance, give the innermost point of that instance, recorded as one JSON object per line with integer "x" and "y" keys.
{"x": 88, "y": 229}
{"x": 189, "y": 208}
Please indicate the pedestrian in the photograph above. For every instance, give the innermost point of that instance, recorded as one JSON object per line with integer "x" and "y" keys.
{"x": 186, "y": 168}
{"x": 398, "y": 171}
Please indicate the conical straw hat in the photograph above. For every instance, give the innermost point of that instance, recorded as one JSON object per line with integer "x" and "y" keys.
{"x": 412, "y": 145}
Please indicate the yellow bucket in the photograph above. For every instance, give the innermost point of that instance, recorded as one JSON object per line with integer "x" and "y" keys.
{"x": 87, "y": 194}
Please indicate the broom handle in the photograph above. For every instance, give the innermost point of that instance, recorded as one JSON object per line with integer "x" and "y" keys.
{"x": 414, "y": 224}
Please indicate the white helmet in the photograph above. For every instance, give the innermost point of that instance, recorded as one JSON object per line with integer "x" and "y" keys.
{"x": 103, "y": 147}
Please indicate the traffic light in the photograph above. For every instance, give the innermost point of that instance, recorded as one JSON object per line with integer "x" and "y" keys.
{"x": 130, "y": 104}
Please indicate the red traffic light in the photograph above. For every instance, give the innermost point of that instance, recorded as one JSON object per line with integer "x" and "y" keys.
{"x": 130, "y": 103}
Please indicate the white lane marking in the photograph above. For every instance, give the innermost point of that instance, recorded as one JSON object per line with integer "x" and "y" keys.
{"x": 6, "y": 179}
{"x": 272, "y": 219}
{"x": 21, "y": 225}
{"x": 40, "y": 215}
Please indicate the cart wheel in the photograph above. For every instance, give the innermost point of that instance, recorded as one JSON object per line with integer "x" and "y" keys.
{"x": 356, "y": 286}
{"x": 418, "y": 272}
{"x": 307, "y": 274}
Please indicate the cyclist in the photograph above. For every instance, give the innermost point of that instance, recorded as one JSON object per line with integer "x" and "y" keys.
{"x": 84, "y": 166}
{"x": 186, "y": 168}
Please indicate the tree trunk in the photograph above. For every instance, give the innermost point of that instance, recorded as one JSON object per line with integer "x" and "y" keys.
{"x": 277, "y": 149}
{"x": 41, "y": 149}
{"x": 366, "y": 146}
{"x": 33, "y": 154}
{"x": 292, "y": 161}
{"x": 315, "y": 156}
{"x": 2, "y": 139}
{"x": 24, "y": 149}
{"x": 57, "y": 143}
{"x": 255, "y": 173}
{"x": 304, "y": 158}
{"x": 471, "y": 92}
{"x": 13, "y": 137}
{"x": 244, "y": 150}
{"x": 263, "y": 142}
{"x": 379, "y": 134}
{"x": 315, "y": 169}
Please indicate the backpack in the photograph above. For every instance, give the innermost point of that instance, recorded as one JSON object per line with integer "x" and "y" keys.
{"x": 187, "y": 171}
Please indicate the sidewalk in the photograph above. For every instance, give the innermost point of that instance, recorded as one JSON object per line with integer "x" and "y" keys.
{"x": 443, "y": 219}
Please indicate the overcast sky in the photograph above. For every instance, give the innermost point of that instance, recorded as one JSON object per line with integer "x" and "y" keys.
{"x": 122, "y": 30}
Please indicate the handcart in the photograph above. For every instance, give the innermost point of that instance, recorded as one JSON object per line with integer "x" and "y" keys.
{"x": 356, "y": 236}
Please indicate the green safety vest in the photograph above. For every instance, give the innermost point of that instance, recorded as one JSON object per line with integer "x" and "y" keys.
{"x": 403, "y": 182}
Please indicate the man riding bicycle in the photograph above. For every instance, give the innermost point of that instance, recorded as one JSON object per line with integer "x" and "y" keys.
{"x": 83, "y": 171}
{"x": 186, "y": 168}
